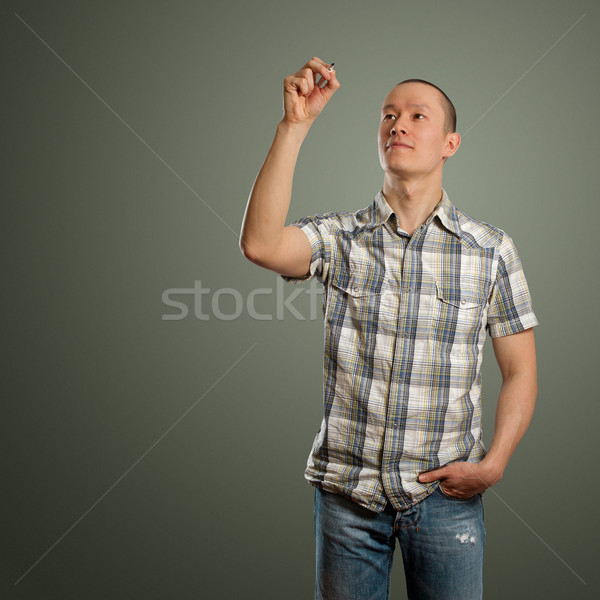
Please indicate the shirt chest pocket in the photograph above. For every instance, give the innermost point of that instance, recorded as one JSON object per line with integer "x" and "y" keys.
{"x": 353, "y": 300}
{"x": 459, "y": 309}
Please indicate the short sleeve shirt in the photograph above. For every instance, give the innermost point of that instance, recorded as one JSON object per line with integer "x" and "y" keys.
{"x": 405, "y": 320}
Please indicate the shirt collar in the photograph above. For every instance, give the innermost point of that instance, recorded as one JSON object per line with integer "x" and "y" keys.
{"x": 444, "y": 211}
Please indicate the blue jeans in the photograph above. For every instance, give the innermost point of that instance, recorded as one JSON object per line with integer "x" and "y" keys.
{"x": 441, "y": 539}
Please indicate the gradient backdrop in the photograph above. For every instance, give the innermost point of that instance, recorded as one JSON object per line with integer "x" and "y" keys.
{"x": 147, "y": 457}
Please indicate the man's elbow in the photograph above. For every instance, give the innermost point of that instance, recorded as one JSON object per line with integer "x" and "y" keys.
{"x": 248, "y": 248}
{"x": 525, "y": 378}
{"x": 253, "y": 252}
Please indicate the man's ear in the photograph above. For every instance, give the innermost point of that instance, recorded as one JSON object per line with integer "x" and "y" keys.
{"x": 452, "y": 144}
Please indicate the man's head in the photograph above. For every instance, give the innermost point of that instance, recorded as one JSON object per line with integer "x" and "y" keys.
{"x": 417, "y": 129}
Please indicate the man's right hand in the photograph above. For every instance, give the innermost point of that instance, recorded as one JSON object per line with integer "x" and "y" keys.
{"x": 303, "y": 98}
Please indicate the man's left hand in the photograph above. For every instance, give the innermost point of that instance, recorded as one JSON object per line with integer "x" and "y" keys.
{"x": 461, "y": 479}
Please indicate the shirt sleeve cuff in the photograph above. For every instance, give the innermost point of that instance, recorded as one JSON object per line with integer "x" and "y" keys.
{"x": 515, "y": 326}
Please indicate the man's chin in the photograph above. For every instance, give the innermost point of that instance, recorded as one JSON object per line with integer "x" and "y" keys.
{"x": 402, "y": 171}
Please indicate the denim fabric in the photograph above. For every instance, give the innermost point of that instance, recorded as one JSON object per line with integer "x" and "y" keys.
{"x": 441, "y": 538}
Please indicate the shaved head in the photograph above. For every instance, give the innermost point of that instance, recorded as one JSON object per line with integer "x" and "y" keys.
{"x": 449, "y": 110}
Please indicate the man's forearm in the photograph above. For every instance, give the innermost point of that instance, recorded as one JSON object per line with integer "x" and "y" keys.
{"x": 513, "y": 415}
{"x": 514, "y": 411}
{"x": 271, "y": 193}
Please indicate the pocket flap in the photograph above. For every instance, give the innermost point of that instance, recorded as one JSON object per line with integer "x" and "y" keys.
{"x": 358, "y": 285}
{"x": 461, "y": 296}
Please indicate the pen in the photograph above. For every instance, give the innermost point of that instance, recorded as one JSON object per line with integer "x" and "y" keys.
{"x": 330, "y": 67}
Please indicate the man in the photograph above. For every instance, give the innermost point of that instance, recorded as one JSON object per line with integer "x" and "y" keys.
{"x": 411, "y": 285}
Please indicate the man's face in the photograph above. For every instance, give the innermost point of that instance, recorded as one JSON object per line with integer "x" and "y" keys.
{"x": 412, "y": 139}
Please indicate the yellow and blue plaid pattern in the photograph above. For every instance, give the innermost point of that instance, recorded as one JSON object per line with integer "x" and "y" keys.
{"x": 405, "y": 322}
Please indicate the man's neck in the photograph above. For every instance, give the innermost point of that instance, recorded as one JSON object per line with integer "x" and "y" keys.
{"x": 412, "y": 202}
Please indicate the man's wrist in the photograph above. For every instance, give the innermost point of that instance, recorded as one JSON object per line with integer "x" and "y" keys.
{"x": 297, "y": 130}
{"x": 491, "y": 469}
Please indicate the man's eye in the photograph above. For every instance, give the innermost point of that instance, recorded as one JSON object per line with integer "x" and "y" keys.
{"x": 386, "y": 116}
{"x": 419, "y": 115}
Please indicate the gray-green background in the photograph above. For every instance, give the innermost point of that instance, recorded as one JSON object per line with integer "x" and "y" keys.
{"x": 145, "y": 457}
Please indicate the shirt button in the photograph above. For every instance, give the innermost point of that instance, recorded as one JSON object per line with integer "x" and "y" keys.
{"x": 463, "y": 301}
{"x": 355, "y": 288}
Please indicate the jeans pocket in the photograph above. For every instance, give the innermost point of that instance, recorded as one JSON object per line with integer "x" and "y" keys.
{"x": 443, "y": 494}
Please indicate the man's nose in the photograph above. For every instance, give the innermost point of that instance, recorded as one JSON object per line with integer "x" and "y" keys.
{"x": 397, "y": 129}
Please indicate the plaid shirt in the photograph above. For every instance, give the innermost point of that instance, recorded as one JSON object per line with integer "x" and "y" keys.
{"x": 405, "y": 321}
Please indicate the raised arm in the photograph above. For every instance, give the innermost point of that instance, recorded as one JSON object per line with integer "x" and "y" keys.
{"x": 265, "y": 240}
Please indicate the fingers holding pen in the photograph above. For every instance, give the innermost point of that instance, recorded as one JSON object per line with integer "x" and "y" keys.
{"x": 304, "y": 96}
{"x": 328, "y": 77}
{"x": 305, "y": 79}
{"x": 323, "y": 69}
